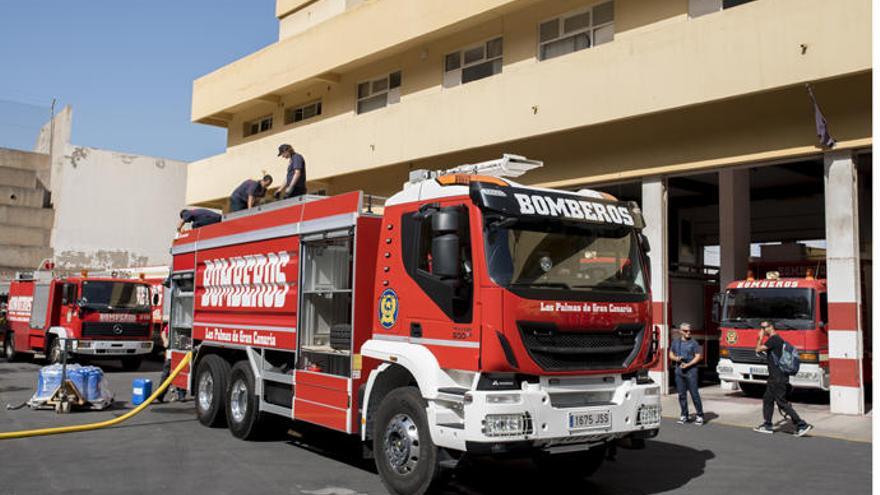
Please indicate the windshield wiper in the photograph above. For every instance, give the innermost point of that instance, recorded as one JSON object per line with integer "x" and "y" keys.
{"x": 552, "y": 285}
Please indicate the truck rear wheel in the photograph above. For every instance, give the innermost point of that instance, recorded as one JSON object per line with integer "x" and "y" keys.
{"x": 572, "y": 465}
{"x": 405, "y": 455}
{"x": 242, "y": 407}
{"x": 210, "y": 391}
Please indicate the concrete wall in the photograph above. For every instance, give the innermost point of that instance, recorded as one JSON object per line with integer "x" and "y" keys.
{"x": 113, "y": 209}
{"x": 25, "y": 225}
{"x": 711, "y": 74}
{"x": 311, "y": 14}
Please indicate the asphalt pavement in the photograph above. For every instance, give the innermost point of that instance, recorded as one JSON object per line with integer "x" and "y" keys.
{"x": 165, "y": 450}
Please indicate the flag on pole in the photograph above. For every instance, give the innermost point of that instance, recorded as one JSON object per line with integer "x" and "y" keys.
{"x": 825, "y": 139}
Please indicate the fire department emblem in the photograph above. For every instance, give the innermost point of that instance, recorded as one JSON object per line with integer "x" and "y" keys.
{"x": 731, "y": 337}
{"x": 388, "y": 308}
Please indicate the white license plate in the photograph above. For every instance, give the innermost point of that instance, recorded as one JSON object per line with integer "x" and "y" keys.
{"x": 758, "y": 370}
{"x": 589, "y": 420}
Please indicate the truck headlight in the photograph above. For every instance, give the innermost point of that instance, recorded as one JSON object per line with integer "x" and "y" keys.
{"x": 83, "y": 344}
{"x": 146, "y": 345}
{"x": 648, "y": 414}
{"x": 507, "y": 425}
{"x": 652, "y": 391}
{"x": 724, "y": 370}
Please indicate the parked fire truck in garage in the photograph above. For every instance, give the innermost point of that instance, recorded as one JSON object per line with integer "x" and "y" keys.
{"x": 104, "y": 318}
{"x": 467, "y": 318}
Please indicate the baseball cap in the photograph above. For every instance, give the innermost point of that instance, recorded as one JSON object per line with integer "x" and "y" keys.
{"x": 283, "y": 148}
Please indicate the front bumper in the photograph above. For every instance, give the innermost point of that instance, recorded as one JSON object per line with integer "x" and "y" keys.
{"x": 546, "y": 409}
{"x": 808, "y": 376}
{"x": 111, "y": 348}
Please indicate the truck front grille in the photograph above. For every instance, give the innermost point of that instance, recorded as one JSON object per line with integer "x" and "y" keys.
{"x": 107, "y": 329}
{"x": 740, "y": 355}
{"x": 556, "y": 350}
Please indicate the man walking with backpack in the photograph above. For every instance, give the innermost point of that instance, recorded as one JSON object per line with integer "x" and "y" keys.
{"x": 777, "y": 383}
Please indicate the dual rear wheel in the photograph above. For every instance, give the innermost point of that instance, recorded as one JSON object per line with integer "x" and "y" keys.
{"x": 226, "y": 396}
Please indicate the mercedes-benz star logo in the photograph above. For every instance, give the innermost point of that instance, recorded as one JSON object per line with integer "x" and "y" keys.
{"x": 117, "y": 329}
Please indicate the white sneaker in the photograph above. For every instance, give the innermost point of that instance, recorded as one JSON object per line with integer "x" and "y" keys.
{"x": 699, "y": 421}
{"x": 682, "y": 420}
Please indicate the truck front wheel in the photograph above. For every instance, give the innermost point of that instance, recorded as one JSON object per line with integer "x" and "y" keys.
{"x": 405, "y": 455}
{"x": 210, "y": 390}
{"x": 131, "y": 363}
{"x": 9, "y": 347}
{"x": 752, "y": 389}
{"x": 55, "y": 354}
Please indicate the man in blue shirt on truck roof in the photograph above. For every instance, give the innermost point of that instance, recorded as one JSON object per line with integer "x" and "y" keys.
{"x": 248, "y": 192}
{"x": 295, "y": 182}
{"x": 685, "y": 353}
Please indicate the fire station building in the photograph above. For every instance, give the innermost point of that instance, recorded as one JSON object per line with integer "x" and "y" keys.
{"x": 700, "y": 110}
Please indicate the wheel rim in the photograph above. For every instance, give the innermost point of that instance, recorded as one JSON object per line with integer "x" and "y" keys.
{"x": 402, "y": 445}
{"x": 238, "y": 400}
{"x": 206, "y": 391}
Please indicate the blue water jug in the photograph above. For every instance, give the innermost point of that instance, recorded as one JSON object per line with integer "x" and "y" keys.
{"x": 78, "y": 378}
{"x": 49, "y": 380}
{"x": 93, "y": 384}
{"x": 141, "y": 389}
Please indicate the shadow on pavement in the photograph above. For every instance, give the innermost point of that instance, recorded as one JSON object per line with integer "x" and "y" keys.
{"x": 661, "y": 467}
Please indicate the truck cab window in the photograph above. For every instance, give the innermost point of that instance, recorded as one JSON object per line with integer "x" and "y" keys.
{"x": 437, "y": 255}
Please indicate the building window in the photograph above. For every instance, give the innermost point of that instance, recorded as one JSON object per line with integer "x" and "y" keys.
{"x": 303, "y": 112}
{"x": 257, "y": 126}
{"x": 576, "y": 30}
{"x": 473, "y": 63}
{"x": 378, "y": 93}
{"x": 696, "y": 8}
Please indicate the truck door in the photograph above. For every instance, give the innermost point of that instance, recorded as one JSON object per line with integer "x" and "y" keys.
{"x": 438, "y": 309}
{"x": 39, "y": 316}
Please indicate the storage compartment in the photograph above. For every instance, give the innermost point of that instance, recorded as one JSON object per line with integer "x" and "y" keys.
{"x": 326, "y": 302}
{"x": 181, "y": 313}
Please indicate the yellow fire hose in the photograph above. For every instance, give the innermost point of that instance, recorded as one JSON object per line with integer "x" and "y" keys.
{"x": 102, "y": 424}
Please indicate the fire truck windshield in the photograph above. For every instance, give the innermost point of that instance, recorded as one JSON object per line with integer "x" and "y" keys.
{"x": 115, "y": 295}
{"x": 561, "y": 255}
{"x": 789, "y": 308}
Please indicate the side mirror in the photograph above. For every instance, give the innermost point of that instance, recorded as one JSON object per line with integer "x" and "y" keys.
{"x": 155, "y": 299}
{"x": 445, "y": 243}
{"x": 68, "y": 294}
{"x": 716, "y": 307}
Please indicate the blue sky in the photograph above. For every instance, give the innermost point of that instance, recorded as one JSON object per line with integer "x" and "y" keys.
{"x": 126, "y": 68}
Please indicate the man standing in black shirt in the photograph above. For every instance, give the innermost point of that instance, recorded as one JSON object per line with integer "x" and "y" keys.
{"x": 777, "y": 383}
{"x": 248, "y": 192}
{"x": 295, "y": 182}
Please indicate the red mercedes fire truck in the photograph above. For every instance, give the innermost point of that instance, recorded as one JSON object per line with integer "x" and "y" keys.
{"x": 798, "y": 305}
{"x": 474, "y": 315}
{"x": 103, "y": 318}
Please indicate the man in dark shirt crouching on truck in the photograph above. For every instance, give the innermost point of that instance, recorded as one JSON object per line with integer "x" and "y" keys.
{"x": 197, "y": 217}
{"x": 777, "y": 382}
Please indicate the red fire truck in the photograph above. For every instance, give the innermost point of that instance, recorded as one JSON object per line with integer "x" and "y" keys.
{"x": 104, "y": 318}
{"x": 799, "y": 308}
{"x": 791, "y": 295}
{"x": 467, "y": 317}
{"x": 155, "y": 276}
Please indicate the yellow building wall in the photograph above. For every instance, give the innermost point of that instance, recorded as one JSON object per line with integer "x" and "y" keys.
{"x": 660, "y": 62}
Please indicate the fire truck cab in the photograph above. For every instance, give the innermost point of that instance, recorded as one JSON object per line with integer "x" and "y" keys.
{"x": 473, "y": 315}
{"x": 799, "y": 309}
{"x": 103, "y": 318}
